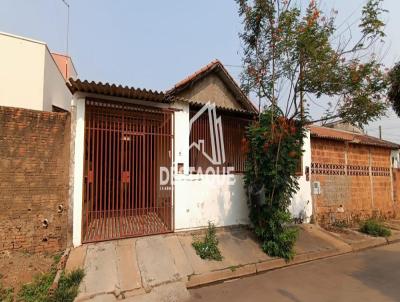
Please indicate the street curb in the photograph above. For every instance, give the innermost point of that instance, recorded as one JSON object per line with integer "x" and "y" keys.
{"x": 221, "y": 275}
{"x": 256, "y": 268}
{"x": 368, "y": 244}
{"x": 260, "y": 267}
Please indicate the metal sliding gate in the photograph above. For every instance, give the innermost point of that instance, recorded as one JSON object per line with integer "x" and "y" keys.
{"x": 125, "y": 147}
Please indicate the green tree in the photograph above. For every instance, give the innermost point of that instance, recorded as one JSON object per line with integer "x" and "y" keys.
{"x": 292, "y": 56}
{"x": 394, "y": 88}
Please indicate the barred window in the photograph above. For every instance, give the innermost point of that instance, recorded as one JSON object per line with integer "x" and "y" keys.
{"x": 208, "y": 148}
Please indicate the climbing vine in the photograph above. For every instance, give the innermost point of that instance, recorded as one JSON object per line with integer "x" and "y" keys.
{"x": 274, "y": 148}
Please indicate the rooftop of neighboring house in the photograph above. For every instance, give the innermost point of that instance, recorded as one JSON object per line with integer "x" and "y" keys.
{"x": 65, "y": 65}
{"x": 350, "y": 137}
{"x": 30, "y": 64}
{"x": 63, "y": 62}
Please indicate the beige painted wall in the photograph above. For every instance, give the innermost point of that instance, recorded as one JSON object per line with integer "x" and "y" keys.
{"x": 29, "y": 76}
{"x": 21, "y": 72}
{"x": 211, "y": 88}
{"x": 55, "y": 92}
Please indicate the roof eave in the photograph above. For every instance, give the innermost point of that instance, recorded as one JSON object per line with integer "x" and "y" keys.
{"x": 107, "y": 89}
{"x": 388, "y": 145}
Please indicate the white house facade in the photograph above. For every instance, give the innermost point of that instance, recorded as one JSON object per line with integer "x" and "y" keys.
{"x": 122, "y": 138}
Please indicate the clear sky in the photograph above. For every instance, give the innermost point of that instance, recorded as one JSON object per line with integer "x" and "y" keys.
{"x": 155, "y": 43}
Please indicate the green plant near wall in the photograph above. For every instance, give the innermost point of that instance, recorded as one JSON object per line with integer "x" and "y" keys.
{"x": 207, "y": 248}
{"x": 38, "y": 290}
{"x": 274, "y": 148}
{"x": 374, "y": 228}
{"x": 6, "y": 294}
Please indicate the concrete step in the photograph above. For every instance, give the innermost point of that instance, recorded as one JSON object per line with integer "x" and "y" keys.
{"x": 110, "y": 269}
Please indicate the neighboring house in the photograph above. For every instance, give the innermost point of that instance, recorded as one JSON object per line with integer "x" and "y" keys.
{"x": 352, "y": 175}
{"x": 31, "y": 76}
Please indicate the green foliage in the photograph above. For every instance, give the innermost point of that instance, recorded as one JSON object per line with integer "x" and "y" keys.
{"x": 375, "y": 228}
{"x": 394, "y": 90}
{"x": 68, "y": 287}
{"x": 6, "y": 294}
{"x": 274, "y": 150}
{"x": 38, "y": 290}
{"x": 208, "y": 247}
{"x": 340, "y": 224}
{"x": 294, "y": 55}
{"x": 371, "y": 24}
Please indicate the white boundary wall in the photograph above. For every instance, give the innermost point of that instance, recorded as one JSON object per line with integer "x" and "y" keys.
{"x": 302, "y": 206}
{"x": 77, "y": 171}
{"x": 203, "y": 198}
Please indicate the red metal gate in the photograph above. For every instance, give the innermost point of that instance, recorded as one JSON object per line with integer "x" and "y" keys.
{"x": 125, "y": 147}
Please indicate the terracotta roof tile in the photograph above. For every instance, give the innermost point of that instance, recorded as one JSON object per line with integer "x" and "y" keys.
{"x": 134, "y": 93}
{"x": 354, "y": 138}
{"x": 117, "y": 91}
{"x": 194, "y": 75}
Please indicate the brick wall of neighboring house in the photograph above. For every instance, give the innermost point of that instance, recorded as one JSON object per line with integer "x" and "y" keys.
{"x": 34, "y": 161}
{"x": 396, "y": 184}
{"x": 355, "y": 181}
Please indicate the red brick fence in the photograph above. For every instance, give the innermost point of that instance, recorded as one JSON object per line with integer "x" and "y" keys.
{"x": 34, "y": 161}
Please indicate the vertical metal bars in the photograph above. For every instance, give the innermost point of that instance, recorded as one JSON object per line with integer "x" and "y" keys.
{"x": 234, "y": 131}
{"x": 125, "y": 147}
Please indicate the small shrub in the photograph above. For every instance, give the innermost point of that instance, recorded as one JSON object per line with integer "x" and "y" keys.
{"x": 375, "y": 228}
{"x": 68, "y": 286}
{"x": 6, "y": 294}
{"x": 208, "y": 247}
{"x": 282, "y": 242}
{"x": 37, "y": 290}
{"x": 340, "y": 224}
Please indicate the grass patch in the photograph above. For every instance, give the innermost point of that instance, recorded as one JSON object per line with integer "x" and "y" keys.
{"x": 68, "y": 286}
{"x": 6, "y": 294}
{"x": 207, "y": 248}
{"x": 375, "y": 228}
{"x": 340, "y": 224}
{"x": 37, "y": 291}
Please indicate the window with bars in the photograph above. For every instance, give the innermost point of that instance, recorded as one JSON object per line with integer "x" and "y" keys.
{"x": 228, "y": 149}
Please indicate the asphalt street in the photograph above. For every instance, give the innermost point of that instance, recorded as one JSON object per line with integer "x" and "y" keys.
{"x": 371, "y": 275}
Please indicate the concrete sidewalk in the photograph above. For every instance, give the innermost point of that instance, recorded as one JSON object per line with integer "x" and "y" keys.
{"x": 162, "y": 267}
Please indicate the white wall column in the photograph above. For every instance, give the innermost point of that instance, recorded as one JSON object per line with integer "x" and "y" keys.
{"x": 181, "y": 135}
{"x": 302, "y": 204}
{"x": 79, "y": 103}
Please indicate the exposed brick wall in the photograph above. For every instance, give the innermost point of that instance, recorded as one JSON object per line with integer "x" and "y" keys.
{"x": 396, "y": 184}
{"x": 34, "y": 161}
{"x": 355, "y": 181}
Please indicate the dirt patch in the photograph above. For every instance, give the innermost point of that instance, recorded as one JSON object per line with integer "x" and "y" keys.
{"x": 18, "y": 268}
{"x": 337, "y": 230}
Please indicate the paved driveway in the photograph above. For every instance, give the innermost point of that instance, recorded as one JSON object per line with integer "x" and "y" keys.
{"x": 372, "y": 275}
